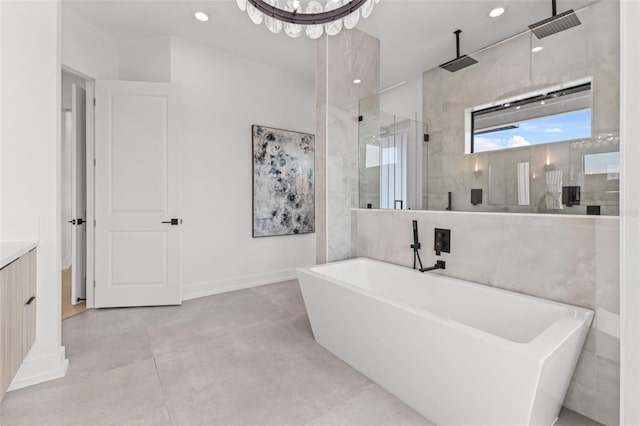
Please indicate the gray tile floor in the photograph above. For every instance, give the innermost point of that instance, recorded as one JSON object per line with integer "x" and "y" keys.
{"x": 241, "y": 358}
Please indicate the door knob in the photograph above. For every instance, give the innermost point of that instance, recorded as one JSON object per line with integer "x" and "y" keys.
{"x": 80, "y": 221}
{"x": 72, "y": 221}
{"x": 174, "y": 221}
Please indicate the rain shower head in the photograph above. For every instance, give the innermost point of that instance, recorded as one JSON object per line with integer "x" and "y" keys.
{"x": 460, "y": 61}
{"x": 556, "y": 23}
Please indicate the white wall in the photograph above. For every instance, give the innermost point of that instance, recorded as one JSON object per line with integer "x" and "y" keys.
{"x": 404, "y": 101}
{"x": 222, "y": 96}
{"x": 86, "y": 49}
{"x": 629, "y": 213}
{"x": 30, "y": 138}
{"x": 146, "y": 60}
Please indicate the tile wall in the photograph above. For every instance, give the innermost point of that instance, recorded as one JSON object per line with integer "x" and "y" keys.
{"x": 340, "y": 60}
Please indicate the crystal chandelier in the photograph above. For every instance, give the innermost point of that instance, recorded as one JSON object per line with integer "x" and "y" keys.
{"x": 296, "y": 16}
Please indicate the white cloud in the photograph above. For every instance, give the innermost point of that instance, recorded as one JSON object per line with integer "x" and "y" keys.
{"x": 530, "y": 128}
{"x": 481, "y": 144}
{"x": 517, "y": 140}
{"x": 538, "y": 129}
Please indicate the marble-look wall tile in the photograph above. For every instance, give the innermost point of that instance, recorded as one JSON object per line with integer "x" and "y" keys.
{"x": 581, "y": 399}
{"x": 608, "y": 268}
{"x": 321, "y": 150}
{"x": 570, "y": 259}
{"x": 339, "y": 60}
{"x": 608, "y": 407}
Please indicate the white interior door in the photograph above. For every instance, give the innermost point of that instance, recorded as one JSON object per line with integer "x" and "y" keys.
{"x": 136, "y": 194}
{"x": 78, "y": 195}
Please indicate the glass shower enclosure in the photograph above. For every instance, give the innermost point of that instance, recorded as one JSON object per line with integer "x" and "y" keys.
{"x": 390, "y": 158}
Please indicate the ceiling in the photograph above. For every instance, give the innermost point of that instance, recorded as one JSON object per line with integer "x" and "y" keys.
{"x": 415, "y": 35}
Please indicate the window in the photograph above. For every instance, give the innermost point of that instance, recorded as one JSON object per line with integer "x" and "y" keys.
{"x": 552, "y": 116}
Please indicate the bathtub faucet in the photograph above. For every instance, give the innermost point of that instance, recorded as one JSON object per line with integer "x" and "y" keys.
{"x": 416, "y": 246}
{"x": 439, "y": 265}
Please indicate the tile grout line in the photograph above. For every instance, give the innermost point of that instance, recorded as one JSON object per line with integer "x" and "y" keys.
{"x": 225, "y": 337}
{"x": 345, "y": 402}
{"x": 155, "y": 363}
{"x": 268, "y": 299}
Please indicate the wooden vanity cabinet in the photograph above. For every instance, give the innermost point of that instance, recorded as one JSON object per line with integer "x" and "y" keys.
{"x": 17, "y": 315}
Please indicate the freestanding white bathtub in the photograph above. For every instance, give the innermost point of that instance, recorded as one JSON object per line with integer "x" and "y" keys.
{"x": 458, "y": 353}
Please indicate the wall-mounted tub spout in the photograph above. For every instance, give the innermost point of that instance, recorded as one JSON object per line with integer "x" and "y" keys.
{"x": 440, "y": 264}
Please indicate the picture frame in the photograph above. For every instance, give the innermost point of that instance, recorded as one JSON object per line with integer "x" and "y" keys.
{"x": 283, "y": 182}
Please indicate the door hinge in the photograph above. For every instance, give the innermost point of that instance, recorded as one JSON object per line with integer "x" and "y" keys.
{"x": 360, "y": 118}
{"x": 94, "y": 283}
{"x": 94, "y": 101}
{"x": 94, "y": 223}
{"x": 426, "y": 137}
{"x": 94, "y": 162}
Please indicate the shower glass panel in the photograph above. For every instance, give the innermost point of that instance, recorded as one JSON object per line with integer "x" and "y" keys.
{"x": 390, "y": 153}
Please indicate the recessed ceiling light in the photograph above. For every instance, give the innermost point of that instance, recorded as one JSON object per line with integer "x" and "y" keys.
{"x": 201, "y": 16}
{"x": 498, "y": 11}
{"x": 537, "y": 49}
{"x": 357, "y": 81}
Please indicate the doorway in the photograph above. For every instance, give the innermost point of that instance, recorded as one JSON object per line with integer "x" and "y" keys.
{"x": 73, "y": 194}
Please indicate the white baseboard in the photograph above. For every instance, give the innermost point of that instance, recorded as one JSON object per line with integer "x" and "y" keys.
{"x": 39, "y": 370}
{"x": 194, "y": 291}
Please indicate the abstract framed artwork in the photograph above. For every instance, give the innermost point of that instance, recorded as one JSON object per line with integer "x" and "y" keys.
{"x": 283, "y": 182}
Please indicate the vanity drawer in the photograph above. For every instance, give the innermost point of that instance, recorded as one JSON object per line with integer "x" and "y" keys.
{"x": 17, "y": 315}
{"x": 29, "y": 302}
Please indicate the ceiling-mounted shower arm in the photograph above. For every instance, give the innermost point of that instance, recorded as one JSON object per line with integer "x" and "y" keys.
{"x": 460, "y": 61}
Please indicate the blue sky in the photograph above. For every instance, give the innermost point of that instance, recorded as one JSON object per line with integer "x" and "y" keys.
{"x": 565, "y": 127}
